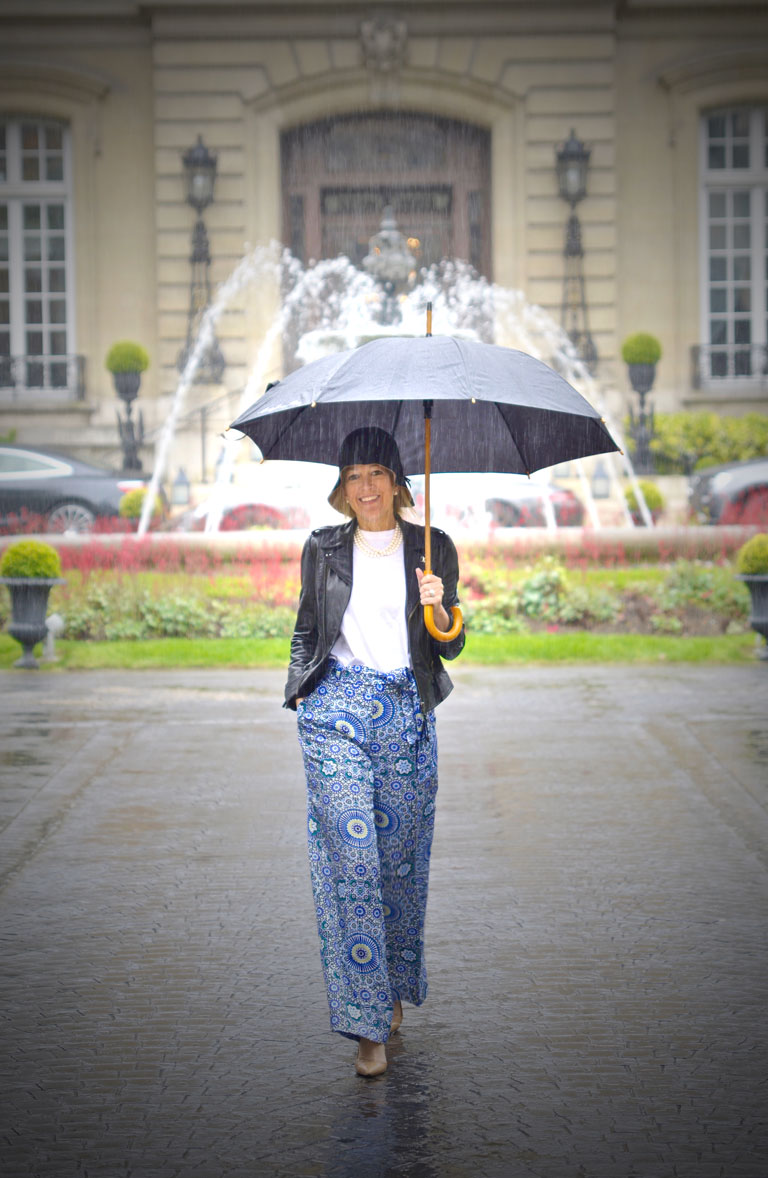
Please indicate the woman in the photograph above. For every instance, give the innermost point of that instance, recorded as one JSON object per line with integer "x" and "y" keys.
{"x": 365, "y": 677}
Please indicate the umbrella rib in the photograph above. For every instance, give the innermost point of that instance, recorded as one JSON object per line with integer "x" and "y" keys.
{"x": 463, "y": 359}
{"x": 515, "y": 443}
{"x": 396, "y": 422}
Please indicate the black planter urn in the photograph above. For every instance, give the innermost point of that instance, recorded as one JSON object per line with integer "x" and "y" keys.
{"x": 758, "y": 591}
{"x": 127, "y": 385}
{"x": 641, "y": 377}
{"x": 29, "y": 603}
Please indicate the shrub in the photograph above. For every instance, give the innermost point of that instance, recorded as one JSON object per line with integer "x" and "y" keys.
{"x": 133, "y": 501}
{"x": 583, "y": 606}
{"x": 496, "y": 614}
{"x": 108, "y": 610}
{"x": 752, "y": 557}
{"x": 688, "y": 584}
{"x": 641, "y": 348}
{"x": 651, "y": 493}
{"x": 684, "y": 442}
{"x": 30, "y": 558}
{"x": 126, "y": 356}
{"x": 541, "y": 593}
{"x": 666, "y": 624}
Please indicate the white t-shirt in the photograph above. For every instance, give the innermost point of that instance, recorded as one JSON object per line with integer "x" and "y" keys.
{"x": 373, "y": 629}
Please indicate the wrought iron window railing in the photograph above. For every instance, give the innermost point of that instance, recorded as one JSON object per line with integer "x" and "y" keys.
{"x": 711, "y": 363}
{"x": 43, "y": 374}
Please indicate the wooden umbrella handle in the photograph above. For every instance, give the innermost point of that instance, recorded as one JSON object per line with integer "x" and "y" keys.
{"x": 443, "y": 635}
{"x": 429, "y": 610}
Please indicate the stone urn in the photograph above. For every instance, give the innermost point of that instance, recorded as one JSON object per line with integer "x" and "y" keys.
{"x": 641, "y": 377}
{"x": 127, "y": 385}
{"x": 757, "y": 583}
{"x": 752, "y": 569}
{"x": 29, "y": 605}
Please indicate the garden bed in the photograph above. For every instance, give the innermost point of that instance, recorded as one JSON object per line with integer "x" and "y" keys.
{"x": 188, "y": 593}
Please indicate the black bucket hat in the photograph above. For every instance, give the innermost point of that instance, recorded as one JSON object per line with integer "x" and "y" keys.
{"x": 363, "y": 447}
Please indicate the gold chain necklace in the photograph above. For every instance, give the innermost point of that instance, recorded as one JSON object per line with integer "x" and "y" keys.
{"x": 369, "y": 550}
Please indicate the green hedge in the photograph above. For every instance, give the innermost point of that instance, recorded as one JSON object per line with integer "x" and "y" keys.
{"x": 685, "y": 442}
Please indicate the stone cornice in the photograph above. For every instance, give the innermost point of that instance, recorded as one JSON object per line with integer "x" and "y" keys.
{"x": 710, "y": 69}
{"x": 339, "y": 82}
{"x": 51, "y": 77}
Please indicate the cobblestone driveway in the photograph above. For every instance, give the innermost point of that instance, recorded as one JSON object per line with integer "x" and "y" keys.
{"x": 596, "y": 935}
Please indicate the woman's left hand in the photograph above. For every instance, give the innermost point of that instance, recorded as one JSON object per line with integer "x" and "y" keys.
{"x": 430, "y": 589}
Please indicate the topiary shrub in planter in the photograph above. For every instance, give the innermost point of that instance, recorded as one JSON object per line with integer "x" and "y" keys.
{"x": 133, "y": 501}
{"x": 752, "y": 565}
{"x": 654, "y": 501}
{"x": 126, "y": 361}
{"x": 641, "y": 353}
{"x": 30, "y": 569}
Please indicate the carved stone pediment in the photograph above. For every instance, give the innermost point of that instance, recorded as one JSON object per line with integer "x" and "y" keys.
{"x": 384, "y": 44}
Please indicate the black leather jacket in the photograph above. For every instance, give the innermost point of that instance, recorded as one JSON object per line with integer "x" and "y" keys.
{"x": 326, "y": 585}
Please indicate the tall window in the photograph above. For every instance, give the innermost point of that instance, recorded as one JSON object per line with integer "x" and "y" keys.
{"x": 36, "y": 318}
{"x": 735, "y": 247}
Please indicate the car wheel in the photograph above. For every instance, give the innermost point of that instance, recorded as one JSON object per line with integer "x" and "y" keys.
{"x": 71, "y": 517}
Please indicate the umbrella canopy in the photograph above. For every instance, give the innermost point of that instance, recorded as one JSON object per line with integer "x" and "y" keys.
{"x": 493, "y": 408}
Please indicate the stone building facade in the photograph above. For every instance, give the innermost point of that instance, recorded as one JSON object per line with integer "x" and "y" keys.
{"x": 99, "y": 99}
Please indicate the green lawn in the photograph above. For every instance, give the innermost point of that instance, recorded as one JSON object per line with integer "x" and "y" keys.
{"x": 485, "y": 649}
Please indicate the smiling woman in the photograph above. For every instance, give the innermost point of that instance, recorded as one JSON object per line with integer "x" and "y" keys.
{"x": 365, "y": 677}
{"x": 370, "y": 495}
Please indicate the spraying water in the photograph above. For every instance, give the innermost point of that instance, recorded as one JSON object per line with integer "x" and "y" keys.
{"x": 243, "y": 274}
{"x": 332, "y": 306}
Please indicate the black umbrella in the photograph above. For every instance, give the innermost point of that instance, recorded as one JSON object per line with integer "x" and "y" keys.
{"x": 492, "y": 408}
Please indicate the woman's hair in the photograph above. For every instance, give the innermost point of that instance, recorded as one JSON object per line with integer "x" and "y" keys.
{"x": 338, "y": 500}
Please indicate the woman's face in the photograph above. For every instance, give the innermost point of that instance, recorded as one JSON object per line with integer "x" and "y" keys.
{"x": 370, "y": 492}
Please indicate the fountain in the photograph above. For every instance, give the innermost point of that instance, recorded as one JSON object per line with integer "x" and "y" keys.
{"x": 332, "y": 305}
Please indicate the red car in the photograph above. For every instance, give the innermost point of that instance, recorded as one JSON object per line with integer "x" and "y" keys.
{"x": 734, "y": 493}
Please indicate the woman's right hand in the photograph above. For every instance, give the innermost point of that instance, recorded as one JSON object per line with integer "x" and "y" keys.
{"x": 300, "y": 699}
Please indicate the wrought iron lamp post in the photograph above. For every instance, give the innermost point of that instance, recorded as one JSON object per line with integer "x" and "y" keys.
{"x": 131, "y": 435}
{"x": 572, "y": 165}
{"x": 200, "y": 170}
{"x": 391, "y": 262}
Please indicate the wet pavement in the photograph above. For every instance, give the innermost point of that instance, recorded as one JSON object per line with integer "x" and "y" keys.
{"x": 596, "y": 935}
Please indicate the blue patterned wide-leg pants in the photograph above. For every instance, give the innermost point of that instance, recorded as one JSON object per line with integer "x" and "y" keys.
{"x": 370, "y": 757}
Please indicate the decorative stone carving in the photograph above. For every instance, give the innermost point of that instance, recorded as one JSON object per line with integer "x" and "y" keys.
{"x": 384, "y": 44}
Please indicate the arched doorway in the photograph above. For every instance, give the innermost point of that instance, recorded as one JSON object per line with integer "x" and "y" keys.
{"x": 339, "y": 173}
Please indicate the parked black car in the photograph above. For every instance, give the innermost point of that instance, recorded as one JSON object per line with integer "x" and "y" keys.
{"x": 64, "y": 494}
{"x": 734, "y": 493}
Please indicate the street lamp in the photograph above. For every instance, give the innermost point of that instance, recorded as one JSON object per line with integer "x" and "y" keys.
{"x": 200, "y": 172}
{"x": 390, "y": 261}
{"x": 572, "y": 165}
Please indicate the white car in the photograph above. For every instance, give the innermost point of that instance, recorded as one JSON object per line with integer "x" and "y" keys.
{"x": 267, "y": 495}
{"x": 475, "y": 503}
